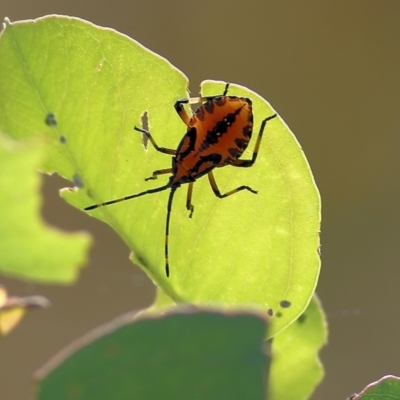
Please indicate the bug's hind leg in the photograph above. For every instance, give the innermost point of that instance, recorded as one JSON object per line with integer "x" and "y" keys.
{"x": 180, "y": 109}
{"x": 220, "y": 195}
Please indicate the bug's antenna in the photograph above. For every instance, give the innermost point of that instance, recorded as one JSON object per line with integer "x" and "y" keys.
{"x": 169, "y": 207}
{"x": 131, "y": 196}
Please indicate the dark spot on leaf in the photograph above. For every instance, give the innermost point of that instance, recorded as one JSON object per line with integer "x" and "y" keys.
{"x": 302, "y": 319}
{"x": 50, "y": 119}
{"x": 112, "y": 349}
{"x": 78, "y": 182}
{"x": 270, "y": 312}
{"x": 63, "y": 139}
{"x": 74, "y": 392}
{"x": 141, "y": 260}
{"x": 279, "y": 314}
{"x": 285, "y": 303}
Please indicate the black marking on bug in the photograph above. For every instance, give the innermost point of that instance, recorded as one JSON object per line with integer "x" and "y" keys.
{"x": 212, "y": 159}
{"x": 285, "y": 303}
{"x": 200, "y": 114}
{"x": 50, "y": 119}
{"x": 241, "y": 143}
{"x": 270, "y": 312}
{"x": 279, "y": 314}
{"x": 247, "y": 130}
{"x": 209, "y": 106}
{"x": 302, "y": 319}
{"x": 220, "y": 129}
{"x": 63, "y": 139}
{"x": 192, "y": 135}
{"x": 220, "y": 100}
{"x": 235, "y": 153}
{"x": 226, "y": 161}
{"x": 78, "y": 182}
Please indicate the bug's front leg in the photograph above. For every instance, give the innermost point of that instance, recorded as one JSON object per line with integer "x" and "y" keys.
{"x": 159, "y": 172}
{"x": 180, "y": 109}
{"x": 164, "y": 150}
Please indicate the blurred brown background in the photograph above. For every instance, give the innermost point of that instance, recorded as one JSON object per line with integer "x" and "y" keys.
{"x": 331, "y": 69}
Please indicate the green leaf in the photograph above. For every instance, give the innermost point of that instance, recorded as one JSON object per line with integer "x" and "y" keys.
{"x": 387, "y": 387}
{"x": 13, "y": 309}
{"x": 29, "y": 248}
{"x": 246, "y": 250}
{"x": 201, "y": 355}
{"x": 296, "y": 370}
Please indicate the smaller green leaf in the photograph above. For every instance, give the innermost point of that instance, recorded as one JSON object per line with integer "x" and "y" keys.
{"x": 200, "y": 355}
{"x": 28, "y": 248}
{"x": 295, "y": 368}
{"x": 387, "y": 387}
{"x": 13, "y": 309}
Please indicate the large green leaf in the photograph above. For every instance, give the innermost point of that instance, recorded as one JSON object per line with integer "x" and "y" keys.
{"x": 246, "y": 250}
{"x": 201, "y": 355}
{"x": 29, "y": 248}
{"x": 296, "y": 370}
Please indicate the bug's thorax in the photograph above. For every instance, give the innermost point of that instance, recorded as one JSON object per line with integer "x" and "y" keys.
{"x": 218, "y": 133}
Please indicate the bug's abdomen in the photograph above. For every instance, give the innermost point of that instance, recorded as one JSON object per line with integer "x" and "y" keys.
{"x": 219, "y": 132}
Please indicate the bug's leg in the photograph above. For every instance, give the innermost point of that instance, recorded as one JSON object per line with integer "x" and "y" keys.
{"x": 164, "y": 150}
{"x": 180, "y": 109}
{"x": 220, "y": 195}
{"x": 226, "y": 89}
{"x": 249, "y": 163}
{"x": 195, "y": 100}
{"x": 159, "y": 172}
{"x": 189, "y": 205}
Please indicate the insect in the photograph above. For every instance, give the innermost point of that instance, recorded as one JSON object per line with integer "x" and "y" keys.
{"x": 217, "y": 134}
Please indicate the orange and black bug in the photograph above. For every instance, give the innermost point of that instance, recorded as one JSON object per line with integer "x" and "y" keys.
{"x": 218, "y": 133}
